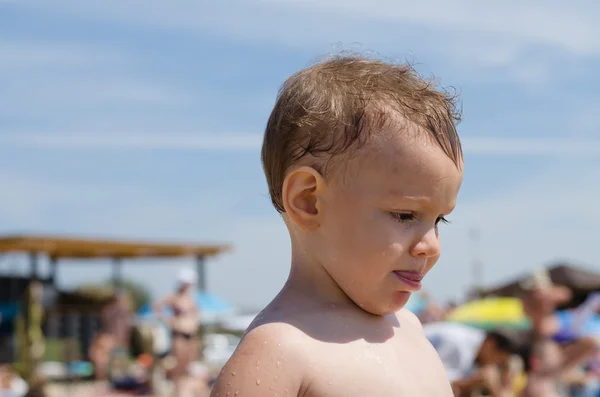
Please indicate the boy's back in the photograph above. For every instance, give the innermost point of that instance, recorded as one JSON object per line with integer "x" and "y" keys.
{"x": 363, "y": 162}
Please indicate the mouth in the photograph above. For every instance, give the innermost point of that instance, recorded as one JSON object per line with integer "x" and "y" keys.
{"x": 411, "y": 279}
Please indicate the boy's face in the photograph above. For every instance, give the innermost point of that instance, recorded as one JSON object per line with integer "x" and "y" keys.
{"x": 378, "y": 217}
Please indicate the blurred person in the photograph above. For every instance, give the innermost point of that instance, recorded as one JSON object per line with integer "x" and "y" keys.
{"x": 475, "y": 359}
{"x": 117, "y": 318}
{"x": 100, "y": 354}
{"x": 579, "y": 383}
{"x": 31, "y": 342}
{"x": 363, "y": 162}
{"x": 184, "y": 322}
{"x": 546, "y": 362}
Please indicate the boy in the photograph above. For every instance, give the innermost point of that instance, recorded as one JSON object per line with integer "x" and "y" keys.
{"x": 363, "y": 162}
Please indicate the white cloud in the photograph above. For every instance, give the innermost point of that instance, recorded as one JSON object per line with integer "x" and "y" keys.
{"x": 567, "y": 25}
{"x": 247, "y": 141}
{"x": 490, "y": 42}
{"x": 531, "y": 147}
{"x": 62, "y": 80}
{"x": 44, "y": 95}
{"x": 125, "y": 141}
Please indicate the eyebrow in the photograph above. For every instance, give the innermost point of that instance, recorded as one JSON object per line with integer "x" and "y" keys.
{"x": 422, "y": 200}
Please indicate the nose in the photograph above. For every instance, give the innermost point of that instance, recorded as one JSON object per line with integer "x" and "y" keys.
{"x": 428, "y": 246}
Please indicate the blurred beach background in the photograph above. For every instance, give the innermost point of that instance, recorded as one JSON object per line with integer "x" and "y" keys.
{"x": 143, "y": 121}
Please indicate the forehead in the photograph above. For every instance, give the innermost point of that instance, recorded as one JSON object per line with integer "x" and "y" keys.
{"x": 402, "y": 160}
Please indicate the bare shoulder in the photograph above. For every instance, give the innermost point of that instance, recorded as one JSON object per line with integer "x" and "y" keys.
{"x": 270, "y": 360}
{"x": 410, "y": 319}
{"x": 416, "y": 334}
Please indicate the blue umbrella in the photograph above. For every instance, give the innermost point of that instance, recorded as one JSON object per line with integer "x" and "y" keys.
{"x": 211, "y": 303}
{"x": 213, "y": 307}
{"x": 589, "y": 327}
{"x": 145, "y": 311}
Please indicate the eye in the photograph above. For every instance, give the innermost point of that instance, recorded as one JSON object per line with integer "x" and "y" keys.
{"x": 442, "y": 220}
{"x": 402, "y": 216}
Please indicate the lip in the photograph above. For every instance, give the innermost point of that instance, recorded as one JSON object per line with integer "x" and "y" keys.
{"x": 411, "y": 279}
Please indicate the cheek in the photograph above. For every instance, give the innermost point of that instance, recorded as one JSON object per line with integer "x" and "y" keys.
{"x": 355, "y": 234}
{"x": 348, "y": 226}
{"x": 373, "y": 239}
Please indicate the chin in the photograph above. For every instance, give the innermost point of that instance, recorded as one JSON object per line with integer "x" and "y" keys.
{"x": 398, "y": 301}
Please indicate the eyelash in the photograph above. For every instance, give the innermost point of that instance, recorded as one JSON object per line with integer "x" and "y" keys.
{"x": 404, "y": 217}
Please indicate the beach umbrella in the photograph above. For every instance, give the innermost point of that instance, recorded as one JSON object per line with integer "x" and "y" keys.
{"x": 572, "y": 328}
{"x": 491, "y": 313}
{"x": 213, "y": 308}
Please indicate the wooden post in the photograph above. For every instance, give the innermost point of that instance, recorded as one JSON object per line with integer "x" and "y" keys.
{"x": 201, "y": 270}
{"x": 53, "y": 270}
{"x": 33, "y": 262}
{"x": 117, "y": 276}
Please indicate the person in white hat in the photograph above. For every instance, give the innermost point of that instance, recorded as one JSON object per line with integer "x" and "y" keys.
{"x": 184, "y": 322}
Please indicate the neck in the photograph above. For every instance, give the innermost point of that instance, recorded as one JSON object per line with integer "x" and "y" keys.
{"x": 309, "y": 280}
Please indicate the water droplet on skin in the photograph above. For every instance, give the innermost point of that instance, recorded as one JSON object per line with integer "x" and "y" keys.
{"x": 278, "y": 363}
{"x": 237, "y": 392}
{"x": 258, "y": 381}
{"x": 232, "y": 373}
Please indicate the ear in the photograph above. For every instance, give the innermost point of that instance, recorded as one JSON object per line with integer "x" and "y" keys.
{"x": 301, "y": 197}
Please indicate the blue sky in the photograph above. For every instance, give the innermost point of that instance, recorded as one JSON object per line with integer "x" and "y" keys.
{"x": 143, "y": 119}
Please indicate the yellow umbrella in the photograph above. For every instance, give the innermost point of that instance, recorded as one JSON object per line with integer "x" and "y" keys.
{"x": 490, "y": 313}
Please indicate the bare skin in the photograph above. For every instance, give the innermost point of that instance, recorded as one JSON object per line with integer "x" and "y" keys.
{"x": 337, "y": 328}
{"x": 185, "y": 320}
